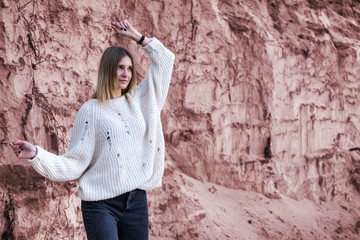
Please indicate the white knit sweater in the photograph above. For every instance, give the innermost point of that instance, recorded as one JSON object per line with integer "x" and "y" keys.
{"x": 117, "y": 146}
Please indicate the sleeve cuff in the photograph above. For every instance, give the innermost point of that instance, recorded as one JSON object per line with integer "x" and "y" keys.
{"x": 36, "y": 157}
{"x": 152, "y": 45}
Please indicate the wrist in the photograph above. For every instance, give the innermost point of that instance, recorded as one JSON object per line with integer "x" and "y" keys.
{"x": 136, "y": 36}
{"x": 140, "y": 42}
{"x": 35, "y": 152}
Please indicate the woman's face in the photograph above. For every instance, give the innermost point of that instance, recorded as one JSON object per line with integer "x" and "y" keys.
{"x": 124, "y": 72}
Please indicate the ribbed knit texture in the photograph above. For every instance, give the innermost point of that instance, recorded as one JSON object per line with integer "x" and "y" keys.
{"x": 117, "y": 146}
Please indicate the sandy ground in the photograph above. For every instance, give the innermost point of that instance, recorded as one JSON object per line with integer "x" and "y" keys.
{"x": 238, "y": 214}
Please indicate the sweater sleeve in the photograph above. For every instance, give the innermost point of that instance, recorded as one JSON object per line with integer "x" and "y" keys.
{"x": 73, "y": 163}
{"x": 159, "y": 74}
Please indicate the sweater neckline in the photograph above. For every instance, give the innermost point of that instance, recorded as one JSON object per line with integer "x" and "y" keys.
{"x": 118, "y": 100}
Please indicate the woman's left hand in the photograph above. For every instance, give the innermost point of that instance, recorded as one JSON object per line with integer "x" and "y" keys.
{"x": 125, "y": 29}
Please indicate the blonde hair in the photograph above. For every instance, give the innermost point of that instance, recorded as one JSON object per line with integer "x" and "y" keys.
{"x": 107, "y": 84}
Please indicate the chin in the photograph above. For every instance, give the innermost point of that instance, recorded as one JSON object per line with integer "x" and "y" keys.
{"x": 122, "y": 87}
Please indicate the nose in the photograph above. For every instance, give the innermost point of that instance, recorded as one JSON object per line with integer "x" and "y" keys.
{"x": 125, "y": 73}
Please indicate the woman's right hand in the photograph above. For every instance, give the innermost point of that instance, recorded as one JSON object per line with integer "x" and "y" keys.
{"x": 23, "y": 149}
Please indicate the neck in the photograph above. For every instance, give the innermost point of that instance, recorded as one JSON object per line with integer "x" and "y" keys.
{"x": 117, "y": 93}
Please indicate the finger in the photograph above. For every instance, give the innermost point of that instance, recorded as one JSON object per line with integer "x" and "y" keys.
{"x": 18, "y": 143}
{"x": 116, "y": 26}
{"x": 17, "y": 148}
{"x": 17, "y": 151}
{"x": 20, "y": 147}
{"x": 14, "y": 147}
{"x": 126, "y": 23}
{"x": 113, "y": 25}
{"x": 122, "y": 26}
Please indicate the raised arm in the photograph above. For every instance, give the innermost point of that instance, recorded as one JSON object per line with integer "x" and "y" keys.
{"x": 157, "y": 81}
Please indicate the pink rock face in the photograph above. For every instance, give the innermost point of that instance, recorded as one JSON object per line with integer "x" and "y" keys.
{"x": 261, "y": 113}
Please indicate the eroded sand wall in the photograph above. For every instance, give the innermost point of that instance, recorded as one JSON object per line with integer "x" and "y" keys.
{"x": 264, "y": 97}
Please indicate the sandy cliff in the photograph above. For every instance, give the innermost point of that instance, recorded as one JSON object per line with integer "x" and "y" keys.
{"x": 262, "y": 111}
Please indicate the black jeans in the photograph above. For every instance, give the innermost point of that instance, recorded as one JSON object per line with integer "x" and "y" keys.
{"x": 123, "y": 217}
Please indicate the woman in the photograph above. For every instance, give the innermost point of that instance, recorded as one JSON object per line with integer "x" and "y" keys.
{"x": 117, "y": 145}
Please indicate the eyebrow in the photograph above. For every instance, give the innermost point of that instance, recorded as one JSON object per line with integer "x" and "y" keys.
{"x": 124, "y": 65}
